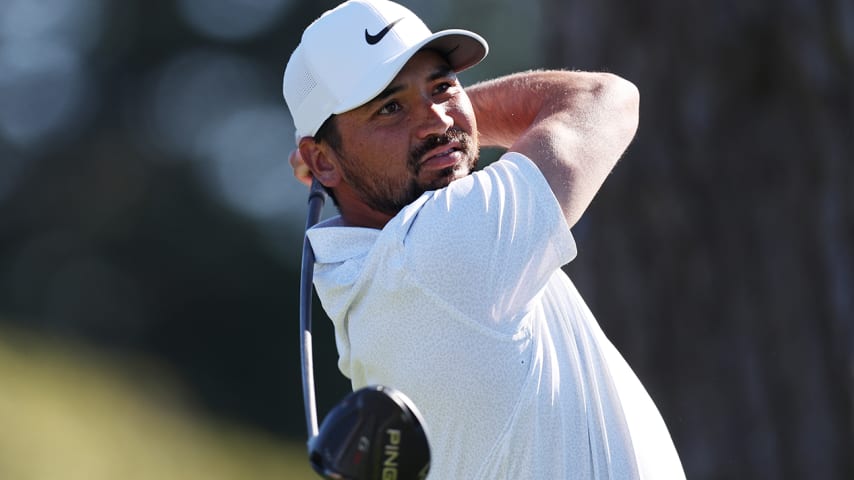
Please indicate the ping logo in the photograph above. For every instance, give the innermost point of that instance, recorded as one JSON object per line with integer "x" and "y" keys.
{"x": 391, "y": 452}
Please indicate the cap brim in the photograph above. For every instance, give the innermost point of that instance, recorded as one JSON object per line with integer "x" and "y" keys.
{"x": 463, "y": 49}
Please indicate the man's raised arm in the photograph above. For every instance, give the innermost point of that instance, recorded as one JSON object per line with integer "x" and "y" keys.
{"x": 573, "y": 125}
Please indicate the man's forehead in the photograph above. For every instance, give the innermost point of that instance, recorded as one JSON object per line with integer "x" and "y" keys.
{"x": 426, "y": 65}
{"x": 426, "y": 55}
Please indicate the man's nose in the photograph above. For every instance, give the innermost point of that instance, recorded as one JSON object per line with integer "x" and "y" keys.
{"x": 435, "y": 119}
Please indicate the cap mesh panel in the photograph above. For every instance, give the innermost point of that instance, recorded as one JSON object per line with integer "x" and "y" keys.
{"x": 303, "y": 82}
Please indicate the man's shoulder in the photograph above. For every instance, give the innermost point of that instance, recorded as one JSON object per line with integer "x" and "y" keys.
{"x": 332, "y": 241}
{"x": 522, "y": 164}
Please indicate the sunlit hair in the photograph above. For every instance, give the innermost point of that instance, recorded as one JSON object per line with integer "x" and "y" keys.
{"x": 328, "y": 133}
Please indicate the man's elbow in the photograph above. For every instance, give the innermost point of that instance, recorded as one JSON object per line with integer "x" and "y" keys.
{"x": 621, "y": 99}
{"x": 630, "y": 103}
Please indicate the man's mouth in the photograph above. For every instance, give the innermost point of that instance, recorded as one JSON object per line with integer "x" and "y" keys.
{"x": 443, "y": 157}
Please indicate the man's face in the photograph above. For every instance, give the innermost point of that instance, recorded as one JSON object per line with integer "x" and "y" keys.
{"x": 419, "y": 134}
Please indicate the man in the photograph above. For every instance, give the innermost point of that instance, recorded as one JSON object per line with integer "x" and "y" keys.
{"x": 447, "y": 284}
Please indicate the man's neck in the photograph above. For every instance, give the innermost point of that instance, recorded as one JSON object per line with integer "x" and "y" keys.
{"x": 356, "y": 213}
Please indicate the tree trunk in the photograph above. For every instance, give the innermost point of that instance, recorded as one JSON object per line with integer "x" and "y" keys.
{"x": 719, "y": 255}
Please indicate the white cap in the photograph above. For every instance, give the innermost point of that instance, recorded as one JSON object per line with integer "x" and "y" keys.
{"x": 351, "y": 53}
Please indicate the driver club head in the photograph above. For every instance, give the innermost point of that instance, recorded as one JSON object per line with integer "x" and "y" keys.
{"x": 374, "y": 433}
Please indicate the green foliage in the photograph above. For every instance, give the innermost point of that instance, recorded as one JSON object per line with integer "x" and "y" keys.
{"x": 69, "y": 413}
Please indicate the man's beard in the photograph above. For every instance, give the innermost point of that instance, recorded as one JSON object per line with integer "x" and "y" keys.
{"x": 389, "y": 196}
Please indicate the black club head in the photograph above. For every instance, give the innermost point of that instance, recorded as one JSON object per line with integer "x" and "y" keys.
{"x": 373, "y": 433}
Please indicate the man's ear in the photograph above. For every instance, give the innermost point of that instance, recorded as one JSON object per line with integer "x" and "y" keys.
{"x": 321, "y": 160}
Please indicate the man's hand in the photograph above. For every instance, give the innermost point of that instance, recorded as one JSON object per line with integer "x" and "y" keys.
{"x": 301, "y": 171}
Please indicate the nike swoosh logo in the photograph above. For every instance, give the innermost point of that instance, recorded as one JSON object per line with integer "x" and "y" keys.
{"x": 375, "y": 39}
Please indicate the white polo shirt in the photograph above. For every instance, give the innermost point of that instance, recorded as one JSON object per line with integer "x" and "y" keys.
{"x": 460, "y": 302}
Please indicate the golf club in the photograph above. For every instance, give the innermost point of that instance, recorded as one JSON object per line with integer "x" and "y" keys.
{"x": 375, "y": 432}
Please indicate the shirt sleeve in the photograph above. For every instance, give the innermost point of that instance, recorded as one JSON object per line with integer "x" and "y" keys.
{"x": 488, "y": 243}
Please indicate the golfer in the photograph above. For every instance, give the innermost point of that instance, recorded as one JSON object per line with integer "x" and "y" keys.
{"x": 446, "y": 283}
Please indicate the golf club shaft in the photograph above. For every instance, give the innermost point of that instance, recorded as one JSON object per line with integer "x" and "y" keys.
{"x": 316, "y": 199}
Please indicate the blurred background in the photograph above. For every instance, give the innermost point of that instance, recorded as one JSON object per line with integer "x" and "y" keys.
{"x": 150, "y": 229}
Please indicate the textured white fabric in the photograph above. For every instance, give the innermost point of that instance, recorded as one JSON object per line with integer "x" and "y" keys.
{"x": 460, "y": 303}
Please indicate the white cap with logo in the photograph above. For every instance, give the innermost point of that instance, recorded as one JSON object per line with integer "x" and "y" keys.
{"x": 351, "y": 53}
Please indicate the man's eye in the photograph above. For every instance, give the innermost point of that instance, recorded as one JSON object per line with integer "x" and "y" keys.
{"x": 390, "y": 107}
{"x": 443, "y": 87}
